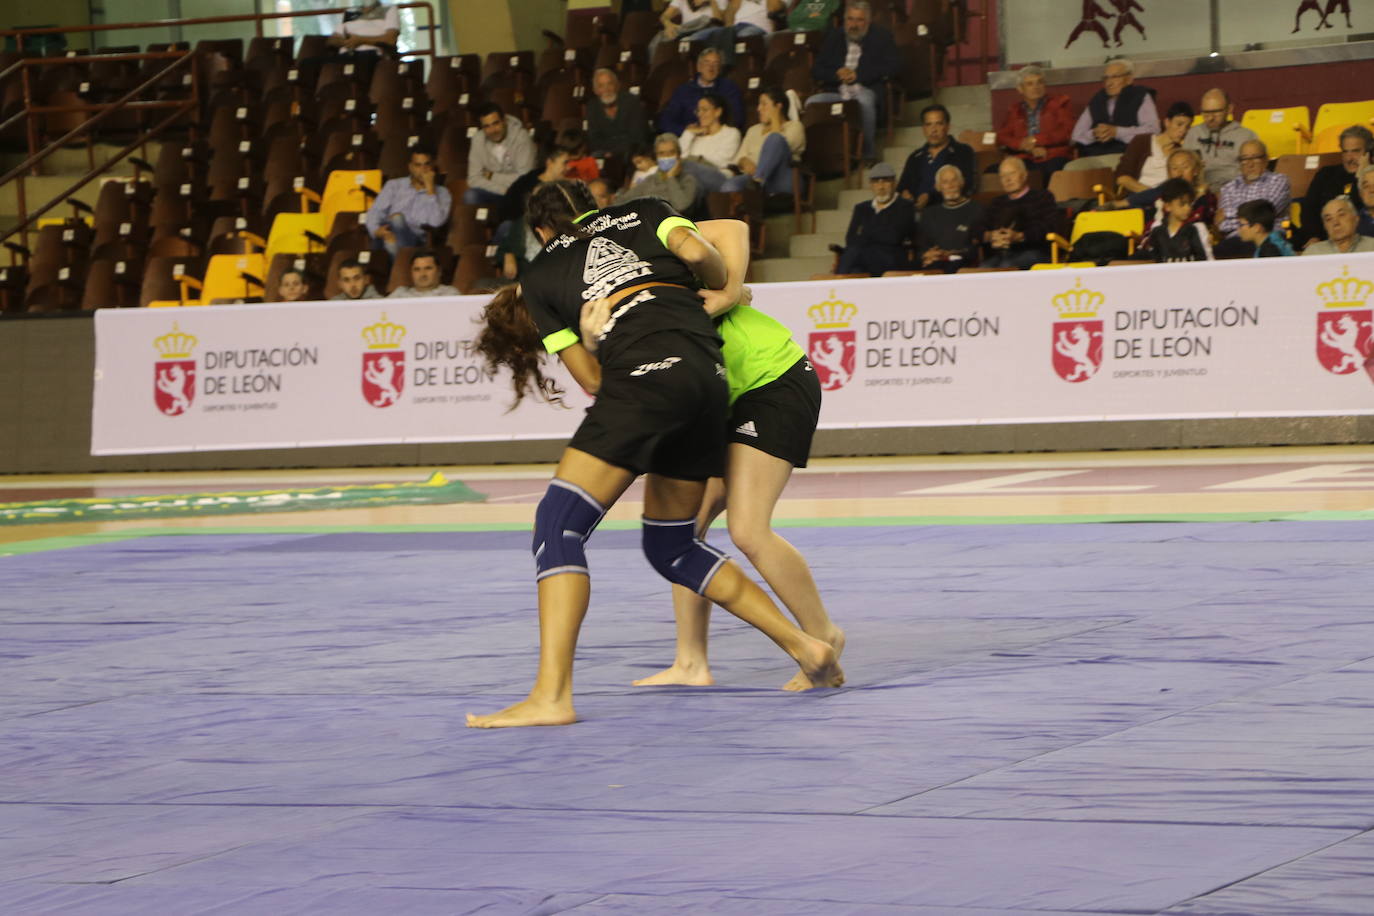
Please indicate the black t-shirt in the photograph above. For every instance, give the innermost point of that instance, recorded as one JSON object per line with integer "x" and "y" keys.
{"x": 626, "y": 247}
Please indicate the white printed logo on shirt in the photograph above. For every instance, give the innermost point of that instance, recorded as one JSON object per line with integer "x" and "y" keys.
{"x": 609, "y": 265}
{"x": 747, "y": 429}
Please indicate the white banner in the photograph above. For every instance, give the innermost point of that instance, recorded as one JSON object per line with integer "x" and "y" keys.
{"x": 1255, "y": 338}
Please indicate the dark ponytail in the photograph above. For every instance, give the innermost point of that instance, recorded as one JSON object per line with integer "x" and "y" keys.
{"x": 554, "y": 205}
{"x": 509, "y": 338}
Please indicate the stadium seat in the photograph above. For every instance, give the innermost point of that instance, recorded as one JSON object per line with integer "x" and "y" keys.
{"x": 288, "y": 234}
{"x": 1281, "y": 129}
{"x": 1301, "y": 168}
{"x": 233, "y": 276}
{"x": 1130, "y": 223}
{"x": 1081, "y": 184}
{"x": 1342, "y": 114}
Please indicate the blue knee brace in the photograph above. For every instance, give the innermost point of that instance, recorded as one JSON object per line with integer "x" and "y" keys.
{"x": 566, "y": 517}
{"x": 678, "y": 555}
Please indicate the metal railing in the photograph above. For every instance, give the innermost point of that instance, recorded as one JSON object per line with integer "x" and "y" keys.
{"x": 256, "y": 18}
{"x": 129, "y": 101}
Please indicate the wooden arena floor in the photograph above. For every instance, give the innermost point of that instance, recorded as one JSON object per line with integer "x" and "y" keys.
{"x": 1058, "y": 487}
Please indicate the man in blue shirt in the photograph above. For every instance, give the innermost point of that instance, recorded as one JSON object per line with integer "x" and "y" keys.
{"x": 407, "y": 206}
{"x": 681, "y": 109}
{"x": 918, "y": 175}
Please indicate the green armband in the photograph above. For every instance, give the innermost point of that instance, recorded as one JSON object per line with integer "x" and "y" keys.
{"x": 671, "y": 223}
{"x": 561, "y": 340}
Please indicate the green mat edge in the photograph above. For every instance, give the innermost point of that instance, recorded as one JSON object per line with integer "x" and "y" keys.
{"x": 40, "y": 545}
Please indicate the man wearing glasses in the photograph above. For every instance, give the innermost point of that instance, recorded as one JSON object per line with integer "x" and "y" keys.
{"x": 1118, "y": 112}
{"x": 1255, "y": 182}
{"x": 1218, "y": 139}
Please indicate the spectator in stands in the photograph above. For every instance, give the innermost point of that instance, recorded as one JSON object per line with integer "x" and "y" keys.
{"x": 581, "y": 164}
{"x": 1185, "y": 164}
{"x": 765, "y": 157}
{"x": 682, "y": 19}
{"x": 1039, "y": 128}
{"x": 811, "y": 15}
{"x": 1255, "y": 182}
{"x": 880, "y": 229}
{"x": 681, "y": 109}
{"x": 516, "y": 249}
{"x": 1337, "y": 180}
{"x": 1218, "y": 138}
{"x": 739, "y": 19}
{"x": 1341, "y": 222}
{"x": 945, "y": 234}
{"x": 1016, "y": 226}
{"x": 1145, "y": 164}
{"x": 424, "y": 278}
{"x": 1255, "y": 219}
{"x": 855, "y": 63}
{"x": 664, "y": 176}
{"x": 1365, "y": 181}
{"x": 615, "y": 118}
{"x": 709, "y": 144}
{"x": 918, "y": 175}
{"x": 501, "y": 152}
{"x": 1178, "y": 237}
{"x": 1118, "y": 113}
{"x": 553, "y": 165}
{"x": 601, "y": 193}
{"x": 291, "y": 286}
{"x": 367, "y": 35}
{"x": 407, "y": 206}
{"x": 353, "y": 282}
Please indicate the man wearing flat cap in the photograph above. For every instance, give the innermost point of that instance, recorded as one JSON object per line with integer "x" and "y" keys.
{"x": 881, "y": 230}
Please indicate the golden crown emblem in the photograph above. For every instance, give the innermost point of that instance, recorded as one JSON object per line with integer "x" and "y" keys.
{"x": 1345, "y": 292}
{"x": 384, "y": 335}
{"x": 1078, "y": 302}
{"x": 832, "y": 313}
{"x": 175, "y": 344}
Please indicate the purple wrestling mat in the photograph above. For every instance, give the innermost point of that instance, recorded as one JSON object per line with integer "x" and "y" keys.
{"x": 1087, "y": 719}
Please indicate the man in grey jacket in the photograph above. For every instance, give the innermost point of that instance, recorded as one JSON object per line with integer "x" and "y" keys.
{"x": 501, "y": 152}
{"x": 1218, "y": 139}
{"x": 353, "y": 282}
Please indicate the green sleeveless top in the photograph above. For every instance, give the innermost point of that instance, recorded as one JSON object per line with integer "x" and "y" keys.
{"x": 758, "y": 349}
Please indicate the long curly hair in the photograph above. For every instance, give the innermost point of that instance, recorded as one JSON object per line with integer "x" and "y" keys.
{"x": 509, "y": 339}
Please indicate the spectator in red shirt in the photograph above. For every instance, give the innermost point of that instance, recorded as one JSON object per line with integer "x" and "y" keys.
{"x": 1039, "y": 128}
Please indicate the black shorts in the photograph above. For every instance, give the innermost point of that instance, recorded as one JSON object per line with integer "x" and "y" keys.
{"x": 663, "y": 408}
{"x": 780, "y": 418}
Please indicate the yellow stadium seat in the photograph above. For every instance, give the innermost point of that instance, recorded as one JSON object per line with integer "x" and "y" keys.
{"x": 224, "y": 277}
{"x": 1328, "y": 140}
{"x": 1282, "y": 129}
{"x": 1076, "y": 264}
{"x": 164, "y": 304}
{"x": 351, "y": 180}
{"x": 288, "y": 234}
{"x": 1130, "y": 223}
{"x": 1342, "y": 115}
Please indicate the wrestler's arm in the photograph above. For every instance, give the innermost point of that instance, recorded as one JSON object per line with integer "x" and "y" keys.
{"x": 731, "y": 239}
{"x": 700, "y": 255}
{"x": 586, "y": 371}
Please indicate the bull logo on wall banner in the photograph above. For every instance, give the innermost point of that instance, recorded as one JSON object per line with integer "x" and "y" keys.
{"x": 174, "y": 375}
{"x": 832, "y": 347}
{"x": 384, "y": 363}
{"x": 1344, "y": 324}
{"x": 1077, "y": 335}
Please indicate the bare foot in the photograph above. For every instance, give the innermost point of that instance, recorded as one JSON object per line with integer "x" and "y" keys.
{"x": 690, "y": 675}
{"x": 799, "y": 680}
{"x": 527, "y": 712}
{"x": 820, "y": 664}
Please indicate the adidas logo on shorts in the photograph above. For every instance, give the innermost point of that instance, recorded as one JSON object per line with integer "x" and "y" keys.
{"x": 747, "y": 429}
{"x": 667, "y": 363}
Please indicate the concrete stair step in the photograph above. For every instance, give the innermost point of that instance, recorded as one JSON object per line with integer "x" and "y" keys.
{"x": 967, "y": 96}
{"x": 776, "y": 270}
{"x": 833, "y": 222}
{"x": 38, "y": 191}
{"x": 815, "y": 246}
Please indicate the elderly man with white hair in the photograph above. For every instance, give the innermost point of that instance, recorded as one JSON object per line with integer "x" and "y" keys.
{"x": 1116, "y": 115}
{"x": 1039, "y": 128}
{"x": 615, "y": 118}
{"x": 1341, "y": 221}
{"x": 1255, "y": 182}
